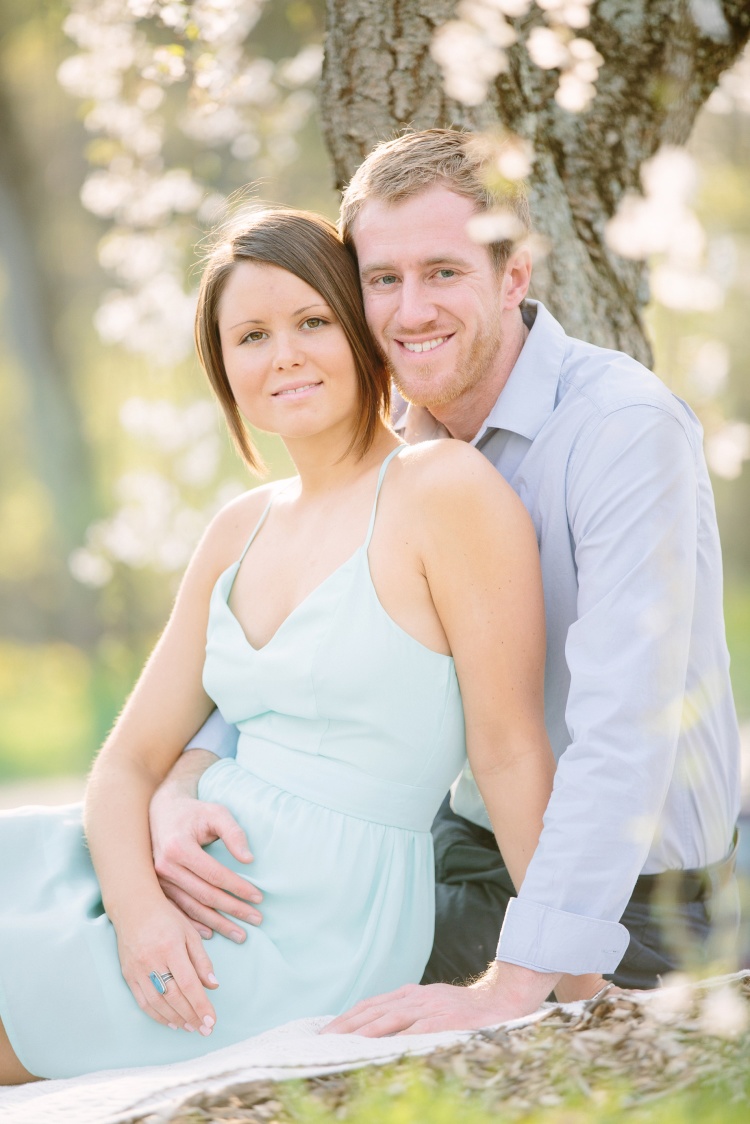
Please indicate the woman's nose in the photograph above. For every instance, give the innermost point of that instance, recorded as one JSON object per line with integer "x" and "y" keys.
{"x": 288, "y": 353}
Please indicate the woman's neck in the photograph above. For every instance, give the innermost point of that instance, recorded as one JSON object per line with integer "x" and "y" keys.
{"x": 324, "y": 465}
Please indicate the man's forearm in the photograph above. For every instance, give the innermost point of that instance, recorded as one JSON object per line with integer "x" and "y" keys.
{"x": 182, "y": 779}
{"x": 519, "y": 991}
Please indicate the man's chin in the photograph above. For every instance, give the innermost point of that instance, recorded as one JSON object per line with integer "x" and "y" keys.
{"x": 428, "y": 390}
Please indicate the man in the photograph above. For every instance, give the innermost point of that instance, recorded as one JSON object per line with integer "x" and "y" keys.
{"x": 639, "y": 711}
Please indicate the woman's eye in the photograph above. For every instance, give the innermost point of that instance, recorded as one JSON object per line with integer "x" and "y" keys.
{"x": 314, "y": 322}
{"x": 254, "y": 337}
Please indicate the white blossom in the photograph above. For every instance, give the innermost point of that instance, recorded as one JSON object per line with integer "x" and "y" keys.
{"x": 709, "y": 19}
{"x": 167, "y": 65}
{"x": 305, "y": 67}
{"x": 724, "y": 1013}
{"x": 494, "y": 226}
{"x": 90, "y": 568}
{"x": 515, "y": 158}
{"x": 574, "y": 93}
{"x": 727, "y": 449}
{"x": 156, "y": 319}
{"x": 198, "y": 466}
{"x": 468, "y": 59}
{"x": 708, "y": 373}
{"x": 547, "y": 49}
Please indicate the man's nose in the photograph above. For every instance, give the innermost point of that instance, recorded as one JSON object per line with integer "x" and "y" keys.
{"x": 417, "y": 306}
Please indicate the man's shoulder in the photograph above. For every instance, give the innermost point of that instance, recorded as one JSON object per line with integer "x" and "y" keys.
{"x": 600, "y": 382}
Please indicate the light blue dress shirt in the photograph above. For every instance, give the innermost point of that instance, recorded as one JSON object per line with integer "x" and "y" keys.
{"x": 638, "y": 701}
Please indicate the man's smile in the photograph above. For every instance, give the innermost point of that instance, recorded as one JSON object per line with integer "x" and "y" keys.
{"x": 423, "y": 345}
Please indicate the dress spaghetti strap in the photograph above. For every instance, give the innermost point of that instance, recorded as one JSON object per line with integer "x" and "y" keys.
{"x": 264, "y": 515}
{"x": 381, "y": 476}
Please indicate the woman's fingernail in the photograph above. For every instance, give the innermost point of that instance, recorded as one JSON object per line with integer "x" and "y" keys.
{"x": 205, "y": 1030}
{"x": 237, "y": 936}
{"x": 212, "y": 979}
{"x": 189, "y": 1027}
{"x": 173, "y": 1026}
{"x": 208, "y": 1021}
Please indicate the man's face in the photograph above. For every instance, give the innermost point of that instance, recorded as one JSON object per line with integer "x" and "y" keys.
{"x": 433, "y": 298}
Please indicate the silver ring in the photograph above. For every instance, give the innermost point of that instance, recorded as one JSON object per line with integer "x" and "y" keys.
{"x": 159, "y": 980}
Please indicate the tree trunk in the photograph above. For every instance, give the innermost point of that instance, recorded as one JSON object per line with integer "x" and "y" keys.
{"x": 659, "y": 69}
{"x": 57, "y": 446}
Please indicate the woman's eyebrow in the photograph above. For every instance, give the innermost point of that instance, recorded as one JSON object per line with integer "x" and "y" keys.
{"x": 297, "y": 312}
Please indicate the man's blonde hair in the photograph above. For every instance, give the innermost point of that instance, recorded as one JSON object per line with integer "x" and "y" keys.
{"x": 411, "y": 163}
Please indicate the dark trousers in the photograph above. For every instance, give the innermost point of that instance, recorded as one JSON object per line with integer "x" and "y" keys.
{"x": 473, "y": 889}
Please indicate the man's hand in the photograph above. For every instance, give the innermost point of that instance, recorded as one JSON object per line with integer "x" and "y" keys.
{"x": 504, "y": 992}
{"x": 181, "y": 825}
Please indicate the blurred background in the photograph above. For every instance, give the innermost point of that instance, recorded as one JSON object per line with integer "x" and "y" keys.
{"x": 112, "y": 454}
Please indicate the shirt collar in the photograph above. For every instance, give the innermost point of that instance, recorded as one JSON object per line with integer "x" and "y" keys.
{"x": 528, "y": 397}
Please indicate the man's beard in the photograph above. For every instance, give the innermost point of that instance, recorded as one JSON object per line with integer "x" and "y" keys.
{"x": 484, "y": 348}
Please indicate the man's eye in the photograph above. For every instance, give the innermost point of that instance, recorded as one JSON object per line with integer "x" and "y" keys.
{"x": 387, "y": 279}
{"x": 446, "y": 273}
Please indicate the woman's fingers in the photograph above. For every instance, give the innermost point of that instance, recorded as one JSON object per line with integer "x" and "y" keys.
{"x": 145, "y": 1006}
{"x": 188, "y": 997}
{"x": 184, "y": 1005}
{"x": 169, "y": 971}
{"x": 201, "y": 962}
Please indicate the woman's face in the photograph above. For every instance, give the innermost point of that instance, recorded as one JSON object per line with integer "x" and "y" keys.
{"x": 287, "y": 359}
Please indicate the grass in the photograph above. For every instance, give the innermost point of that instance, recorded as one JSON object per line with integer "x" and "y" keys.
{"x": 669, "y": 1061}
{"x": 737, "y": 617}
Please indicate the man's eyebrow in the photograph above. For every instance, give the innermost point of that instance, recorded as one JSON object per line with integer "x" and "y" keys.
{"x": 438, "y": 259}
{"x": 297, "y": 312}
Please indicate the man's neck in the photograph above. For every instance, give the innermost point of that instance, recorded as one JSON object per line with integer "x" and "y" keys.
{"x": 464, "y": 415}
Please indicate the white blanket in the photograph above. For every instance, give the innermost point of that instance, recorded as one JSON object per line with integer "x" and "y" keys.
{"x": 293, "y": 1050}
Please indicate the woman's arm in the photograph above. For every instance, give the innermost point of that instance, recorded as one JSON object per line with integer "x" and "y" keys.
{"x": 167, "y": 705}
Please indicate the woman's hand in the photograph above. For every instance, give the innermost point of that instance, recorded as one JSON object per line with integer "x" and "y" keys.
{"x": 161, "y": 939}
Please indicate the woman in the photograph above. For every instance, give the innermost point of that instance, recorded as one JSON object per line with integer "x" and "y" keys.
{"x": 337, "y": 642}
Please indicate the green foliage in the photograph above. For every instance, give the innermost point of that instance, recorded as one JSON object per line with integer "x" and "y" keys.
{"x": 409, "y": 1093}
{"x": 737, "y": 616}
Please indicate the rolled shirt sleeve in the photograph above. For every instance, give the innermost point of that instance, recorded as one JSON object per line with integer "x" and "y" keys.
{"x": 632, "y": 499}
{"x": 217, "y": 736}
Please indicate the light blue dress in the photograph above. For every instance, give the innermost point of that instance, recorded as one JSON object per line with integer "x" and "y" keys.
{"x": 351, "y": 732}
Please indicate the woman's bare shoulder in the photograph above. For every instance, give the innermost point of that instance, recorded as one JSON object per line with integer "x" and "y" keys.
{"x": 452, "y": 472}
{"x": 226, "y": 535}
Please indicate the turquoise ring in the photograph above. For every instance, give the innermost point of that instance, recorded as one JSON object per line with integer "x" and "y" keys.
{"x": 159, "y": 980}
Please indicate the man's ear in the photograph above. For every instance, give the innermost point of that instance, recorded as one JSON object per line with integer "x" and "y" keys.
{"x": 516, "y": 278}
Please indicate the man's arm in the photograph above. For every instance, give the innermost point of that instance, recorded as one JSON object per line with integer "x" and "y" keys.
{"x": 181, "y": 825}
{"x": 633, "y": 512}
{"x": 633, "y": 515}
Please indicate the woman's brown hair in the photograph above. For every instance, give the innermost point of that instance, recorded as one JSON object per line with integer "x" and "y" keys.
{"x": 308, "y": 246}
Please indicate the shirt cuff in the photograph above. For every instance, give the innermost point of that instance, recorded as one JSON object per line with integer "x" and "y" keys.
{"x": 551, "y": 940}
{"x": 217, "y": 736}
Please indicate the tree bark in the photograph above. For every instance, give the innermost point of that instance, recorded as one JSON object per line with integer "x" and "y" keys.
{"x": 659, "y": 69}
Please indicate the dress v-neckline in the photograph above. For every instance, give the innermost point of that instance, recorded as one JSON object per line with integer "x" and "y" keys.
{"x": 362, "y": 549}
{"x": 236, "y": 565}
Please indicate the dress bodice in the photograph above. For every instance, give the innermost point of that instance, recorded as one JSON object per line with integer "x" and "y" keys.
{"x": 341, "y": 706}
